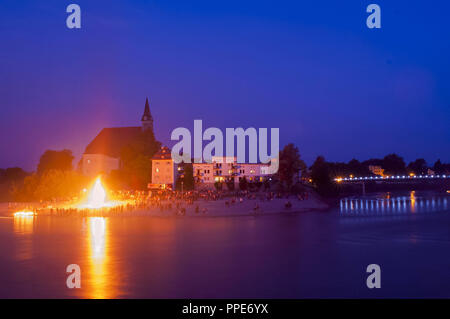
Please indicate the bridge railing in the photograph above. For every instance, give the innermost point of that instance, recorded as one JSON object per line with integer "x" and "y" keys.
{"x": 388, "y": 178}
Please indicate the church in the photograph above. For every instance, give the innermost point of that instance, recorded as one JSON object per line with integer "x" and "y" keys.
{"x": 102, "y": 155}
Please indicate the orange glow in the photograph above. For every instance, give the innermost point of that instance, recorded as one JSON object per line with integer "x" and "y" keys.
{"x": 23, "y": 222}
{"x": 23, "y": 214}
{"x": 98, "y": 271}
{"x": 413, "y": 201}
{"x": 97, "y": 197}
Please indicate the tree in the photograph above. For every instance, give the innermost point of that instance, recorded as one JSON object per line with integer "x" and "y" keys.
{"x": 136, "y": 160}
{"x": 441, "y": 168}
{"x": 230, "y": 184}
{"x": 356, "y": 168}
{"x": 290, "y": 164}
{"x": 394, "y": 165}
{"x": 51, "y": 184}
{"x": 321, "y": 177}
{"x": 55, "y": 160}
{"x": 218, "y": 185}
{"x": 419, "y": 167}
{"x": 243, "y": 184}
{"x": 12, "y": 174}
{"x": 187, "y": 178}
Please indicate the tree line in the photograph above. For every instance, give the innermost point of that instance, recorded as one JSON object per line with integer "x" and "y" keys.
{"x": 322, "y": 173}
{"x": 56, "y": 178}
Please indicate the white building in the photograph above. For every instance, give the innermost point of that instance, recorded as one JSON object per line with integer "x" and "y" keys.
{"x": 225, "y": 169}
{"x": 162, "y": 169}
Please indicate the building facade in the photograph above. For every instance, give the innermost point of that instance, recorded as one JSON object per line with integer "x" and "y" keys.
{"x": 377, "y": 170}
{"x": 163, "y": 170}
{"x": 226, "y": 169}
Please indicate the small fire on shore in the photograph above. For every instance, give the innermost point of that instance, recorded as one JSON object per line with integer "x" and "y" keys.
{"x": 23, "y": 214}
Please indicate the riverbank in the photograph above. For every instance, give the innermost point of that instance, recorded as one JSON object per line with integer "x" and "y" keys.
{"x": 228, "y": 206}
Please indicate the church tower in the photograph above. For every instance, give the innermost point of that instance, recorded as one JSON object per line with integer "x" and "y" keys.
{"x": 147, "y": 119}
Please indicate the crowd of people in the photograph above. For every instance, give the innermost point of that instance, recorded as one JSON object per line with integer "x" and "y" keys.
{"x": 159, "y": 202}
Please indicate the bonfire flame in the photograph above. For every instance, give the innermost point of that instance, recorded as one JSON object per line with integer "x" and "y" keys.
{"x": 97, "y": 197}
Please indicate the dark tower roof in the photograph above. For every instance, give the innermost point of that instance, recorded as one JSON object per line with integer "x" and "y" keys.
{"x": 147, "y": 112}
{"x": 163, "y": 153}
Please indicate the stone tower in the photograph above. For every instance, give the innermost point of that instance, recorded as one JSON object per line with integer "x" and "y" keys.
{"x": 147, "y": 119}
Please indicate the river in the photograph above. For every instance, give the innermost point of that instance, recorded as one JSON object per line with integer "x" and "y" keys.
{"x": 305, "y": 255}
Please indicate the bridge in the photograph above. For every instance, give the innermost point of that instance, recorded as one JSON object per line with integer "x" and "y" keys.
{"x": 389, "y": 178}
{"x": 372, "y": 181}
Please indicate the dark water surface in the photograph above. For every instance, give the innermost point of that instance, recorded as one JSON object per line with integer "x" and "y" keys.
{"x": 282, "y": 256}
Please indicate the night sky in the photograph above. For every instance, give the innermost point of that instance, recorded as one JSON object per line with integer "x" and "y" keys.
{"x": 311, "y": 68}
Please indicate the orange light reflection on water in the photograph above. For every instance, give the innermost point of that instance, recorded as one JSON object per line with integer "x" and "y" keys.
{"x": 99, "y": 274}
{"x": 413, "y": 201}
{"x": 23, "y": 224}
{"x": 24, "y": 227}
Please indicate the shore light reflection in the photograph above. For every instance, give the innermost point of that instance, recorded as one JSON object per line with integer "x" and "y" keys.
{"x": 23, "y": 227}
{"x": 98, "y": 258}
{"x": 23, "y": 222}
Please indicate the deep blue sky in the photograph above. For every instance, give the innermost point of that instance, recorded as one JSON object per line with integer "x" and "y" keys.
{"x": 312, "y": 68}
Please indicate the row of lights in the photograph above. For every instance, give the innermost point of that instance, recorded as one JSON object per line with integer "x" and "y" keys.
{"x": 340, "y": 179}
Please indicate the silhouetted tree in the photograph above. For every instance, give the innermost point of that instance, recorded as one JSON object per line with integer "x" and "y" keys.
{"x": 418, "y": 167}
{"x": 10, "y": 179}
{"x": 55, "y": 160}
{"x": 290, "y": 165}
{"x": 438, "y": 167}
{"x": 357, "y": 168}
{"x": 187, "y": 177}
{"x": 321, "y": 177}
{"x": 218, "y": 185}
{"x": 230, "y": 184}
{"x": 394, "y": 164}
{"x": 243, "y": 184}
{"x": 441, "y": 168}
{"x": 12, "y": 174}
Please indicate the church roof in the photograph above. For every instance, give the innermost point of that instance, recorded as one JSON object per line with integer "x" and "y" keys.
{"x": 147, "y": 112}
{"x": 110, "y": 141}
{"x": 163, "y": 153}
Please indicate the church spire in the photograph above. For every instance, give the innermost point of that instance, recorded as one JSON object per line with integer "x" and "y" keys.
{"x": 147, "y": 119}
